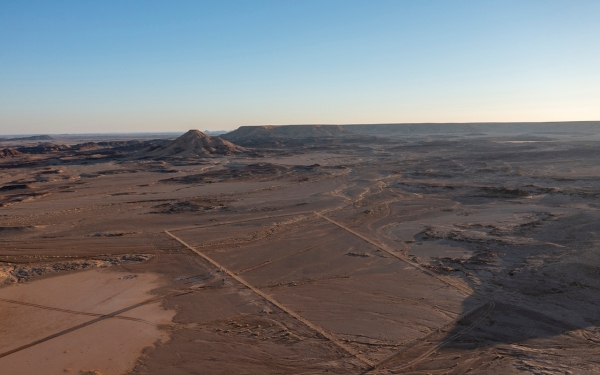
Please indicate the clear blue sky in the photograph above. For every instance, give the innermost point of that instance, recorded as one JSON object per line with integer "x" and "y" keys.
{"x": 105, "y": 66}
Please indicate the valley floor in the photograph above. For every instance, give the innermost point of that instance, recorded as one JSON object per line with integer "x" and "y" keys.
{"x": 422, "y": 255}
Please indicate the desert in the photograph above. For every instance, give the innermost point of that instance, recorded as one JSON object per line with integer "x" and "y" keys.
{"x": 307, "y": 249}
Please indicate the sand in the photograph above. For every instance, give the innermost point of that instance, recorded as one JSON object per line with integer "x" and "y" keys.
{"x": 33, "y": 311}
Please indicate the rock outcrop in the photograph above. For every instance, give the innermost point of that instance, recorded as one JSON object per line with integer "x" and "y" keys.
{"x": 195, "y": 143}
{"x": 9, "y": 153}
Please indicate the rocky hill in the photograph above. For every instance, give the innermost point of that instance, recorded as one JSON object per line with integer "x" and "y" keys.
{"x": 9, "y": 152}
{"x": 195, "y": 143}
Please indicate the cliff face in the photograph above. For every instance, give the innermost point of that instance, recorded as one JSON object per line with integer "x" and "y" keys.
{"x": 245, "y": 133}
{"x": 287, "y": 131}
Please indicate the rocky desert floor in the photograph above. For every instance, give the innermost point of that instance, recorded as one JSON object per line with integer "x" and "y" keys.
{"x": 408, "y": 255}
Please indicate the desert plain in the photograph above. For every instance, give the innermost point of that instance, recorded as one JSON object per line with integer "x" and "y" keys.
{"x": 359, "y": 249}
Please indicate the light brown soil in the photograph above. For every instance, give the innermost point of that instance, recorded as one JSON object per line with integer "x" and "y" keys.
{"x": 431, "y": 254}
{"x": 71, "y": 307}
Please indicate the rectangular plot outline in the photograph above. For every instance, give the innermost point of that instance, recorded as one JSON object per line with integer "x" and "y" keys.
{"x": 283, "y": 308}
{"x": 371, "y": 364}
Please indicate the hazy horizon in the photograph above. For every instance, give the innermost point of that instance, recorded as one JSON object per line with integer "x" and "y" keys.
{"x": 154, "y": 67}
{"x": 91, "y": 133}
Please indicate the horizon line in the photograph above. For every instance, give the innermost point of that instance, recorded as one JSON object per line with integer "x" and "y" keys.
{"x": 314, "y": 124}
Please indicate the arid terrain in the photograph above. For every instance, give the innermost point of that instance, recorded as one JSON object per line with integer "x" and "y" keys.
{"x": 382, "y": 249}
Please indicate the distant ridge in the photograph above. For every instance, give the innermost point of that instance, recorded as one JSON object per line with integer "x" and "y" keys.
{"x": 287, "y": 131}
{"x": 244, "y": 133}
{"x": 195, "y": 143}
{"x": 29, "y": 138}
{"x": 477, "y": 127}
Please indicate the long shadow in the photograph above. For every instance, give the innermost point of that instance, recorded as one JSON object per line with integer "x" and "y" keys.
{"x": 539, "y": 291}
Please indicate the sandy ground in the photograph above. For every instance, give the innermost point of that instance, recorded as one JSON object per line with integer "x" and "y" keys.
{"x": 420, "y": 255}
{"x": 74, "y": 307}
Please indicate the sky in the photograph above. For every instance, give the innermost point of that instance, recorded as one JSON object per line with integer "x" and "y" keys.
{"x": 158, "y": 66}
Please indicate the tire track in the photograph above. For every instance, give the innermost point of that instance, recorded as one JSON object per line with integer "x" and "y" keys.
{"x": 384, "y": 248}
{"x": 251, "y": 268}
{"x": 88, "y": 323}
{"x": 489, "y": 303}
{"x": 74, "y": 312}
{"x": 490, "y": 306}
{"x": 276, "y": 303}
{"x": 236, "y": 221}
